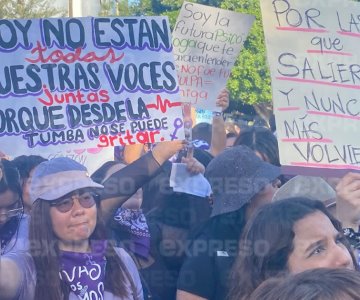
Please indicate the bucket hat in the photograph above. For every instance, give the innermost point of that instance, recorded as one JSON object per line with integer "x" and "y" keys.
{"x": 236, "y": 176}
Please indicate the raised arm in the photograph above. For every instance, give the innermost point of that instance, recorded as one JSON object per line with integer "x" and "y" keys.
{"x": 133, "y": 152}
{"x": 348, "y": 200}
{"x": 123, "y": 184}
{"x": 218, "y": 134}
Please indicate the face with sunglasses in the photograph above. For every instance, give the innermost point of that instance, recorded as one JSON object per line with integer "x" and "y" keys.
{"x": 73, "y": 217}
{"x": 10, "y": 206}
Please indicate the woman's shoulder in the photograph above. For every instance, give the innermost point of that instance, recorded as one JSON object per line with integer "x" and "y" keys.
{"x": 132, "y": 271}
{"x": 18, "y": 266}
{"x": 20, "y": 240}
{"x": 128, "y": 262}
{"x": 124, "y": 256}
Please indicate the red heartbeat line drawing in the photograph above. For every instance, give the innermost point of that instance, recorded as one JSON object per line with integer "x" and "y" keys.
{"x": 163, "y": 105}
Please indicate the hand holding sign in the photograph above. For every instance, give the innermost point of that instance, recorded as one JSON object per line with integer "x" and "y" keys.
{"x": 348, "y": 200}
{"x": 164, "y": 150}
{"x": 193, "y": 166}
{"x": 222, "y": 100}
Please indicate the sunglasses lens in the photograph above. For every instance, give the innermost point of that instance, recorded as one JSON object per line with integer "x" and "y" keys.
{"x": 65, "y": 205}
{"x": 87, "y": 200}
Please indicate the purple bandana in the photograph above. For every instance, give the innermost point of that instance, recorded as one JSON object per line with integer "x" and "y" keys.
{"x": 85, "y": 272}
{"x": 133, "y": 222}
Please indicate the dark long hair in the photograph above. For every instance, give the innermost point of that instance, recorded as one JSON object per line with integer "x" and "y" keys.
{"x": 10, "y": 181}
{"x": 267, "y": 243}
{"x": 315, "y": 284}
{"x": 26, "y": 163}
{"x": 262, "y": 140}
{"x": 45, "y": 252}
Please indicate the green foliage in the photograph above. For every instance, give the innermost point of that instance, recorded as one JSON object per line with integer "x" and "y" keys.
{"x": 23, "y": 9}
{"x": 250, "y": 80}
{"x": 110, "y": 8}
{"x": 169, "y": 8}
{"x": 106, "y": 9}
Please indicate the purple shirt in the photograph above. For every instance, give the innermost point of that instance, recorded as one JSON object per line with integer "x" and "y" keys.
{"x": 28, "y": 280}
{"x": 84, "y": 273}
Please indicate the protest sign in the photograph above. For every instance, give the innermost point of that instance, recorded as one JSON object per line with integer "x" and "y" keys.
{"x": 91, "y": 158}
{"x": 86, "y": 82}
{"x": 313, "y": 54}
{"x": 207, "y": 42}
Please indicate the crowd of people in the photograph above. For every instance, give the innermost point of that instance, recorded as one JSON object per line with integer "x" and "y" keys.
{"x": 125, "y": 233}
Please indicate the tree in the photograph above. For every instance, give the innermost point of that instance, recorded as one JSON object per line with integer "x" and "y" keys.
{"x": 169, "y": 8}
{"x": 25, "y": 9}
{"x": 250, "y": 80}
